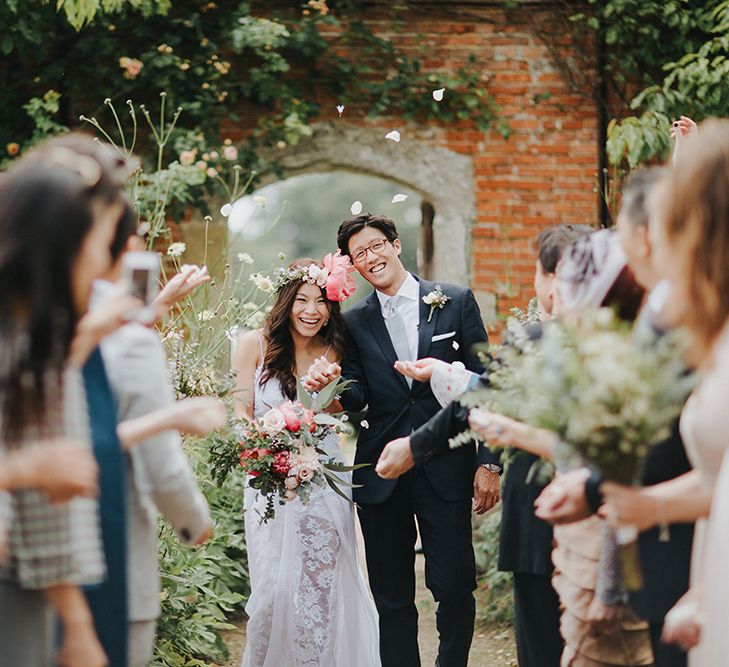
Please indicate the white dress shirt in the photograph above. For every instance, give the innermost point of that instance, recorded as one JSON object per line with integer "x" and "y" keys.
{"x": 409, "y": 309}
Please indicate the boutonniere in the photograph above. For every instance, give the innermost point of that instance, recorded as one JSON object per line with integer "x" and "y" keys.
{"x": 435, "y": 299}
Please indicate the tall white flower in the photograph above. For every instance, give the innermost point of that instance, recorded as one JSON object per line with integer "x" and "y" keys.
{"x": 176, "y": 249}
{"x": 262, "y": 282}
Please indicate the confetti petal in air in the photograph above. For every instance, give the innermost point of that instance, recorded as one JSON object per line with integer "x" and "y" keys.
{"x": 340, "y": 109}
{"x": 393, "y": 136}
{"x": 398, "y": 198}
{"x": 438, "y": 94}
{"x": 364, "y": 423}
{"x": 455, "y": 345}
{"x": 356, "y": 207}
{"x": 225, "y": 210}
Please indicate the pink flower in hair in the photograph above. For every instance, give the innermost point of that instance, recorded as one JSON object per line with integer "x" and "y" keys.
{"x": 340, "y": 284}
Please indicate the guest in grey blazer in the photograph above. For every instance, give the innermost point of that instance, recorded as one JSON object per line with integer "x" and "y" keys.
{"x": 158, "y": 477}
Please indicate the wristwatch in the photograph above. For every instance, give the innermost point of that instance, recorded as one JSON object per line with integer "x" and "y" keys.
{"x": 492, "y": 467}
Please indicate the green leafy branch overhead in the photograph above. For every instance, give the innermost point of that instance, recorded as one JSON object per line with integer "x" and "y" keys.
{"x": 227, "y": 63}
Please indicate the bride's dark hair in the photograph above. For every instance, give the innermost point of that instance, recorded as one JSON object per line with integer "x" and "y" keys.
{"x": 280, "y": 359}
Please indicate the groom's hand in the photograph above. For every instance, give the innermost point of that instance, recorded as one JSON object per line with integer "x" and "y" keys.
{"x": 486, "y": 490}
{"x": 396, "y": 459}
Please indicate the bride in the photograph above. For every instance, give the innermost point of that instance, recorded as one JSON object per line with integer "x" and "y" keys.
{"x": 309, "y": 605}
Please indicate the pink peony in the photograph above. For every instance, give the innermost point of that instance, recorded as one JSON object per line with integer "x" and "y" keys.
{"x": 230, "y": 153}
{"x": 340, "y": 284}
{"x": 291, "y": 419}
{"x": 281, "y": 463}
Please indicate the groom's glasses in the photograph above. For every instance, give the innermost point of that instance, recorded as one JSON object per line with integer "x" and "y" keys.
{"x": 375, "y": 248}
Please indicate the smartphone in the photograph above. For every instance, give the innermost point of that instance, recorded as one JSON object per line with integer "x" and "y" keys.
{"x": 140, "y": 273}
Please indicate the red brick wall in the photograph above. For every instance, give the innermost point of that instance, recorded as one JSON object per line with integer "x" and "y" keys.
{"x": 545, "y": 173}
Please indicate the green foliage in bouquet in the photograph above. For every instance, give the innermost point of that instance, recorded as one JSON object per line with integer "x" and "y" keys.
{"x": 606, "y": 391}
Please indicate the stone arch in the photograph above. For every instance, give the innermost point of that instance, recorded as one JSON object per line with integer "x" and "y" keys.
{"x": 442, "y": 177}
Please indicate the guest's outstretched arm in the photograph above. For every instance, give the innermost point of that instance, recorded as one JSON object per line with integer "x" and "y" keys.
{"x": 500, "y": 431}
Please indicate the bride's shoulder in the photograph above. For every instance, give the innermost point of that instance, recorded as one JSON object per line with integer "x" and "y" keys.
{"x": 251, "y": 344}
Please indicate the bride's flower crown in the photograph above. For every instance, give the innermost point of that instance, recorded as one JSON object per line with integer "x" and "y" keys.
{"x": 334, "y": 277}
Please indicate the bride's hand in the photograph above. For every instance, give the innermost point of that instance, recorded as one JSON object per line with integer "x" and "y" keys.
{"x": 420, "y": 370}
{"x": 321, "y": 373}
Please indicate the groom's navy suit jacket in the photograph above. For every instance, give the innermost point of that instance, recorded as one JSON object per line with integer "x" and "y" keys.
{"x": 395, "y": 409}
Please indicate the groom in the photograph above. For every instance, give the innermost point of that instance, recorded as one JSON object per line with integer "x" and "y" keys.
{"x": 395, "y": 322}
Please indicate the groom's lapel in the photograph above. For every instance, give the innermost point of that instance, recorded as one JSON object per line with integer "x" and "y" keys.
{"x": 425, "y": 328}
{"x": 373, "y": 315}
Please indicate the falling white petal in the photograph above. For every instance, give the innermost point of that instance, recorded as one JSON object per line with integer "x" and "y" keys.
{"x": 225, "y": 210}
{"x": 393, "y": 136}
{"x": 340, "y": 109}
{"x": 455, "y": 345}
{"x": 364, "y": 423}
{"x": 398, "y": 198}
{"x": 356, "y": 207}
{"x": 438, "y": 94}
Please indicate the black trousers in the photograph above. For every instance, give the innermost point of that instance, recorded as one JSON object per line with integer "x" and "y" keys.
{"x": 450, "y": 571}
{"x": 536, "y": 607}
{"x": 665, "y": 655}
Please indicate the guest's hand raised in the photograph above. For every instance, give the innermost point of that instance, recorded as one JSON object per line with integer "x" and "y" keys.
{"x": 396, "y": 459}
{"x": 321, "y": 373}
{"x": 564, "y": 499}
{"x": 198, "y": 415}
{"x": 685, "y": 126}
{"x": 420, "y": 370}
{"x": 190, "y": 277}
{"x": 495, "y": 429}
{"x": 98, "y": 323}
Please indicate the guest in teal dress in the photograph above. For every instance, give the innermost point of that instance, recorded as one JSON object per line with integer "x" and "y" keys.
{"x": 108, "y": 600}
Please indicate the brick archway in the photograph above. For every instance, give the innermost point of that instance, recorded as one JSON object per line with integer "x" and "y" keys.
{"x": 443, "y": 178}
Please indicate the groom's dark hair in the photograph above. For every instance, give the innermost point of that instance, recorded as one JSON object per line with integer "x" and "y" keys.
{"x": 357, "y": 223}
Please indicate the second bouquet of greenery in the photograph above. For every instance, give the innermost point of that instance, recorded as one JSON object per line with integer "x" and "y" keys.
{"x": 608, "y": 393}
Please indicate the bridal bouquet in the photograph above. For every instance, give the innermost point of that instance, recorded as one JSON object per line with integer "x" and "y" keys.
{"x": 281, "y": 452}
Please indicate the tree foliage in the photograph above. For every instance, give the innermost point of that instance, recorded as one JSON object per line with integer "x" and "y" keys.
{"x": 696, "y": 85}
{"x": 280, "y": 66}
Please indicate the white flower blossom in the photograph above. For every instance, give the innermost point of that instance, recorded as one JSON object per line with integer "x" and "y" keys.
{"x": 262, "y": 282}
{"x": 245, "y": 258}
{"x": 176, "y": 249}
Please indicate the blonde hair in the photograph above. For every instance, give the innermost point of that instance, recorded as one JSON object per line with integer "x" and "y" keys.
{"x": 695, "y": 221}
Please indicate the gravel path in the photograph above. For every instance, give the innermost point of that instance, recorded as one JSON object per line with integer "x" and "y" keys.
{"x": 493, "y": 646}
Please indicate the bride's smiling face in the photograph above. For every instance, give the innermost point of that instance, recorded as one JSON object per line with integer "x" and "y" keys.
{"x": 309, "y": 312}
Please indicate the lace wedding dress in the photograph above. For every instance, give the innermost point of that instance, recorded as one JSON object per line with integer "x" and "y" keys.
{"x": 309, "y": 605}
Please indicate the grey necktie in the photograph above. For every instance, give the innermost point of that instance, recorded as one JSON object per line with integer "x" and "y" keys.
{"x": 396, "y": 328}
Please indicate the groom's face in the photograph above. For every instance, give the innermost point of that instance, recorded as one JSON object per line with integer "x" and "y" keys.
{"x": 383, "y": 268}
